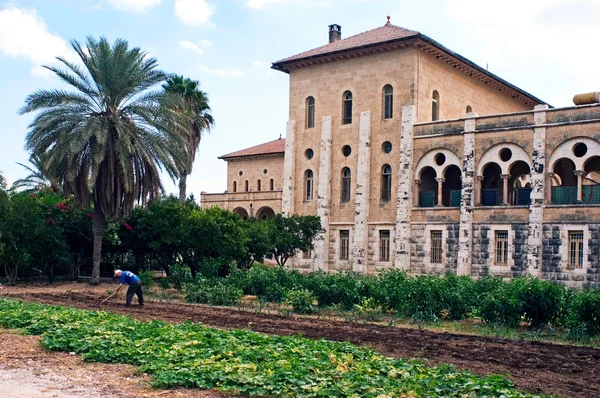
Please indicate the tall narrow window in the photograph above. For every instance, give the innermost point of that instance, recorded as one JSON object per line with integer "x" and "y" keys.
{"x": 436, "y": 247}
{"x": 575, "y": 249}
{"x": 310, "y": 112}
{"x": 384, "y": 246}
{"x": 469, "y": 109}
{"x": 501, "y": 247}
{"x": 347, "y": 111}
{"x": 258, "y": 185}
{"x": 308, "y": 177}
{"x": 435, "y": 106}
{"x": 344, "y": 244}
{"x": 388, "y": 102}
{"x": 346, "y": 179}
{"x": 234, "y": 186}
{"x": 272, "y": 184}
{"x": 246, "y": 186}
{"x": 386, "y": 182}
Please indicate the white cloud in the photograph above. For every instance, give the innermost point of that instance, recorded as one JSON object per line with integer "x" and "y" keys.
{"x": 23, "y": 34}
{"x": 224, "y": 73}
{"x": 258, "y": 63}
{"x": 197, "y": 48}
{"x": 257, "y": 4}
{"x": 193, "y": 12}
{"x": 134, "y": 5}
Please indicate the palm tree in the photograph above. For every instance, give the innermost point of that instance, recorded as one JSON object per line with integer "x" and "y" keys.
{"x": 110, "y": 137}
{"x": 38, "y": 177}
{"x": 197, "y": 110}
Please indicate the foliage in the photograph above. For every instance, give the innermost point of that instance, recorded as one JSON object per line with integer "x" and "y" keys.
{"x": 290, "y": 234}
{"x": 180, "y": 275}
{"x": 301, "y": 300}
{"x": 258, "y": 244}
{"x": 38, "y": 178}
{"x": 212, "y": 292}
{"x": 147, "y": 278}
{"x": 244, "y": 362}
{"x": 583, "y": 313}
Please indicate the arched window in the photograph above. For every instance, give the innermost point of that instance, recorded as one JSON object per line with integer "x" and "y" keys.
{"x": 346, "y": 180}
{"x": 388, "y": 102}
{"x": 310, "y": 112}
{"x": 435, "y": 106}
{"x": 246, "y": 186}
{"x": 258, "y": 185}
{"x": 308, "y": 183}
{"x": 469, "y": 109}
{"x": 386, "y": 182}
{"x": 272, "y": 184}
{"x": 234, "y": 186}
{"x": 347, "y": 110}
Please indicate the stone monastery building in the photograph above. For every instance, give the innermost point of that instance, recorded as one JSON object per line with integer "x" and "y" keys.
{"x": 416, "y": 158}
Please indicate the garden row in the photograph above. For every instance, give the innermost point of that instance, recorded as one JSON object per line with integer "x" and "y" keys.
{"x": 244, "y": 362}
{"x": 532, "y": 301}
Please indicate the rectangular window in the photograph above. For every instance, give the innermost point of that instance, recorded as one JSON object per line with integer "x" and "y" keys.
{"x": 575, "y": 249}
{"x": 436, "y": 247}
{"x": 307, "y": 254}
{"x": 344, "y": 244}
{"x": 501, "y": 247}
{"x": 384, "y": 246}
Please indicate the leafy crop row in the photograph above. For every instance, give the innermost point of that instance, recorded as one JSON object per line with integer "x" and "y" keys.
{"x": 245, "y": 362}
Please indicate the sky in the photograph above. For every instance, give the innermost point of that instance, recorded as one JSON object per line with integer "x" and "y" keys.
{"x": 546, "y": 47}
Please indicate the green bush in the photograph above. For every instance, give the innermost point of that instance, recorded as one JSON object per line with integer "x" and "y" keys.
{"x": 147, "y": 277}
{"x": 180, "y": 275}
{"x": 271, "y": 284}
{"x": 212, "y": 292}
{"x": 301, "y": 301}
{"x": 342, "y": 288}
{"x": 583, "y": 314}
{"x": 164, "y": 283}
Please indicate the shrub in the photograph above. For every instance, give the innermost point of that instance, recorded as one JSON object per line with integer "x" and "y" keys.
{"x": 583, "y": 315}
{"x": 147, "y": 277}
{"x": 212, "y": 292}
{"x": 330, "y": 289}
{"x": 301, "y": 301}
{"x": 164, "y": 283}
{"x": 180, "y": 275}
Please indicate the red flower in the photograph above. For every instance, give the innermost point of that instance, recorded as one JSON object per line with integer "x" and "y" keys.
{"x": 50, "y": 221}
{"x": 90, "y": 215}
{"x": 63, "y": 207}
{"x": 127, "y": 227}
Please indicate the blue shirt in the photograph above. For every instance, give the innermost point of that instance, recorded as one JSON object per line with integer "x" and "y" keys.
{"x": 128, "y": 277}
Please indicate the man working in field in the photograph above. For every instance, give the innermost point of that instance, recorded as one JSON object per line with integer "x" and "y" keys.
{"x": 135, "y": 286}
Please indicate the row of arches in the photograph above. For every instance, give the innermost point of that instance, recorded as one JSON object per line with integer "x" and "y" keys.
{"x": 247, "y": 188}
{"x": 263, "y": 213}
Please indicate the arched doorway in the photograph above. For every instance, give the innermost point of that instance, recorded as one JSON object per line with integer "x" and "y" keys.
{"x": 491, "y": 186}
{"x": 240, "y": 211}
{"x": 451, "y": 187}
{"x": 591, "y": 182}
{"x": 520, "y": 184}
{"x": 264, "y": 213}
{"x": 428, "y": 188}
{"x": 564, "y": 189}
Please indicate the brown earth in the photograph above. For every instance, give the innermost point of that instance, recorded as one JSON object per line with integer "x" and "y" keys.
{"x": 538, "y": 367}
{"x": 27, "y": 370}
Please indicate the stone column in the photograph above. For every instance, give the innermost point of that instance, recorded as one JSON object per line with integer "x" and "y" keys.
{"x": 548, "y": 188}
{"x": 361, "y": 228}
{"x": 477, "y": 190}
{"x": 405, "y": 190}
{"x": 579, "y": 174}
{"x": 287, "y": 196}
{"x": 321, "y": 252}
{"x": 440, "y": 182}
{"x": 465, "y": 238}
{"x": 505, "y": 178}
{"x": 538, "y": 184}
{"x": 416, "y": 187}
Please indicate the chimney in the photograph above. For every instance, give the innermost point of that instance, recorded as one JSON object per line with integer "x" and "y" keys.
{"x": 335, "y": 33}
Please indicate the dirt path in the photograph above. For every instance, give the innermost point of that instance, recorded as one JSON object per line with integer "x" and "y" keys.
{"x": 534, "y": 366}
{"x": 27, "y": 370}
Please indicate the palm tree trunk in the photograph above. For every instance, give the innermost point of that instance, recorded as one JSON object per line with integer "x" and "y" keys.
{"x": 98, "y": 230}
{"x": 182, "y": 188}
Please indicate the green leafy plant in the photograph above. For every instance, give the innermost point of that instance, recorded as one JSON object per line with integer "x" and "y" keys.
{"x": 301, "y": 300}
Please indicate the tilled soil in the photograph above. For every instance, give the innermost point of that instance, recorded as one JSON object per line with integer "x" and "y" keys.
{"x": 537, "y": 367}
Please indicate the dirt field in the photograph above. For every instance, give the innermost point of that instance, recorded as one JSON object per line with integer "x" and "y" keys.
{"x": 538, "y": 367}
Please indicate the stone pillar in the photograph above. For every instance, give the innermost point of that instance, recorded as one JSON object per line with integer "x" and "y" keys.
{"x": 440, "y": 182}
{"x": 465, "y": 238}
{"x": 361, "y": 228}
{"x": 548, "y": 188}
{"x": 416, "y": 187}
{"x": 477, "y": 190}
{"x": 405, "y": 190}
{"x": 505, "y": 178}
{"x": 579, "y": 174}
{"x": 287, "y": 196}
{"x": 538, "y": 184}
{"x": 321, "y": 252}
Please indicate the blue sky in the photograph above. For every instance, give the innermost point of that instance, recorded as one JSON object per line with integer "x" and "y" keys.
{"x": 544, "y": 47}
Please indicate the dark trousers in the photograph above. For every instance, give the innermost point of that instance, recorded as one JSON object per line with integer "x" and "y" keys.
{"x": 135, "y": 288}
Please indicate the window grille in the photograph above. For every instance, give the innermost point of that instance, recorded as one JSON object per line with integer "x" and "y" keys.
{"x": 309, "y": 185}
{"x": 455, "y": 196}
{"x": 346, "y": 180}
{"x": 501, "y": 247}
{"x": 575, "y": 249}
{"x": 388, "y": 102}
{"x": 436, "y": 247}
{"x": 426, "y": 199}
{"x": 344, "y": 244}
{"x": 384, "y": 246}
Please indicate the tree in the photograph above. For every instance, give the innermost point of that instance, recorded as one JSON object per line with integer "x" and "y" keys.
{"x": 110, "y": 137}
{"x": 38, "y": 178}
{"x": 2, "y": 182}
{"x": 258, "y": 245}
{"x": 199, "y": 120}
{"x": 293, "y": 233}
